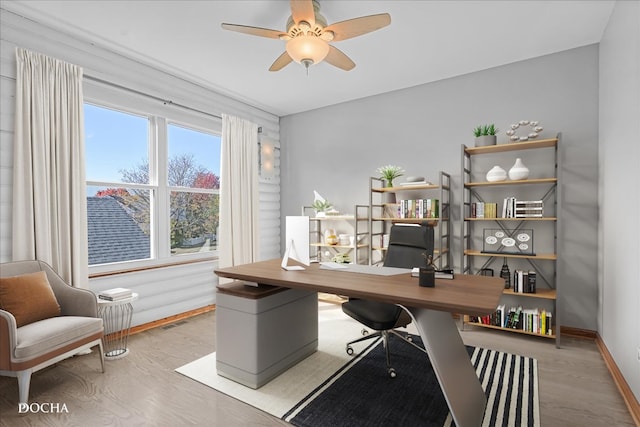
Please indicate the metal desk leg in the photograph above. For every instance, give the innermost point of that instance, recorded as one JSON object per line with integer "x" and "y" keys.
{"x": 450, "y": 360}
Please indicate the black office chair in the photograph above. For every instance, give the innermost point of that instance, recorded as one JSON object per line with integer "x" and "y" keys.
{"x": 408, "y": 247}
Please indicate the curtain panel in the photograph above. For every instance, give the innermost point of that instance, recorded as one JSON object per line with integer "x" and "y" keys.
{"x": 49, "y": 195}
{"x": 238, "y": 192}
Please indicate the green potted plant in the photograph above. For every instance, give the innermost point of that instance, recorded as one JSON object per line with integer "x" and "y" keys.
{"x": 485, "y": 135}
{"x": 321, "y": 207}
{"x": 389, "y": 173}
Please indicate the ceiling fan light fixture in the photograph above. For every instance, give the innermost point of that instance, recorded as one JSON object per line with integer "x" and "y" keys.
{"x": 307, "y": 35}
{"x": 306, "y": 49}
{"x": 327, "y": 36}
{"x": 304, "y": 27}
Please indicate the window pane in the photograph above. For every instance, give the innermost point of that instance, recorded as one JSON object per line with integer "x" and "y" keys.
{"x": 194, "y": 158}
{"x": 116, "y": 145}
{"x": 194, "y": 222}
{"x": 118, "y": 222}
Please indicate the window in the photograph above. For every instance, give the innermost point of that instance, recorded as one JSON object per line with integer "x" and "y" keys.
{"x": 152, "y": 187}
{"x": 193, "y": 179}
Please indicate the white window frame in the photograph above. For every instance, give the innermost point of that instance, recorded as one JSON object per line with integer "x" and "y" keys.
{"x": 160, "y": 115}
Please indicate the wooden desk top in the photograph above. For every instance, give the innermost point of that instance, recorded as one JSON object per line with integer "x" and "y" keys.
{"x": 473, "y": 295}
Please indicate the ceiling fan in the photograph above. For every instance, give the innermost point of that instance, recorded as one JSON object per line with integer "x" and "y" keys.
{"x": 308, "y": 35}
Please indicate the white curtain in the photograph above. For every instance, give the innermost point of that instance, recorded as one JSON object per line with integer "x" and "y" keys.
{"x": 238, "y": 192}
{"x": 49, "y": 202}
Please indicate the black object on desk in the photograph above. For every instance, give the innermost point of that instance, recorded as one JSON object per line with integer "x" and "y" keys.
{"x": 427, "y": 277}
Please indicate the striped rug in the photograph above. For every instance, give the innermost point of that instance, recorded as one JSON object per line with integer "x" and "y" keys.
{"x": 361, "y": 393}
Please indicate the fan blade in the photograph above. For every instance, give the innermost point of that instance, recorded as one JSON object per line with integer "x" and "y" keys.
{"x": 358, "y": 26}
{"x": 338, "y": 59}
{"x": 254, "y": 31}
{"x": 302, "y": 10}
{"x": 282, "y": 61}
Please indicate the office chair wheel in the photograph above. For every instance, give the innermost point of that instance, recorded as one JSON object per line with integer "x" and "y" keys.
{"x": 392, "y": 373}
{"x": 364, "y": 332}
{"x": 409, "y": 338}
{"x": 350, "y": 350}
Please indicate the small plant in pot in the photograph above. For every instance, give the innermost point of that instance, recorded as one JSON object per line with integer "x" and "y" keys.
{"x": 485, "y": 135}
{"x": 321, "y": 207}
{"x": 389, "y": 173}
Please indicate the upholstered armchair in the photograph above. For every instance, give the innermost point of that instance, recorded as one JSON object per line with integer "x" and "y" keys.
{"x": 38, "y": 330}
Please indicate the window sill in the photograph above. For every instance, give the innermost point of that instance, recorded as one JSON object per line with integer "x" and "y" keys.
{"x": 162, "y": 264}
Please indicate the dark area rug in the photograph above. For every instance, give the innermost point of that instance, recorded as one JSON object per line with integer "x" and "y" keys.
{"x": 363, "y": 394}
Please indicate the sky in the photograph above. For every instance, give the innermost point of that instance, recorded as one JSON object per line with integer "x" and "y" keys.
{"x": 117, "y": 141}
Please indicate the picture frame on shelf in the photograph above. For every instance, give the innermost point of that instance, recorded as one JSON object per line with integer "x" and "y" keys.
{"x": 511, "y": 242}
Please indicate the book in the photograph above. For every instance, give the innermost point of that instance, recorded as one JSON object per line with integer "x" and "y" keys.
{"x": 106, "y": 298}
{"x": 515, "y": 319}
{"x": 409, "y": 184}
{"x": 115, "y": 294}
{"x": 549, "y": 321}
{"x": 444, "y": 274}
{"x": 531, "y": 284}
{"x": 500, "y": 316}
{"x": 439, "y": 274}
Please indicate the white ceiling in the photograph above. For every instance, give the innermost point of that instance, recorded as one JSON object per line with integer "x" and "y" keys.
{"x": 426, "y": 41}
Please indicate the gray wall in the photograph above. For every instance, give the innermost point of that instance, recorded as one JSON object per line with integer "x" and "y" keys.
{"x": 335, "y": 149}
{"x": 620, "y": 190}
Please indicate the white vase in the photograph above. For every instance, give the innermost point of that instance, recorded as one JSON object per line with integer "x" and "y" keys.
{"x": 496, "y": 174}
{"x": 518, "y": 171}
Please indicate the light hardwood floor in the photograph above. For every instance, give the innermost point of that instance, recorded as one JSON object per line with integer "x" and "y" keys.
{"x": 142, "y": 389}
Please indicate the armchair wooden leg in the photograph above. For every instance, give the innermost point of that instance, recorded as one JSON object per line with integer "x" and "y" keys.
{"x": 24, "y": 381}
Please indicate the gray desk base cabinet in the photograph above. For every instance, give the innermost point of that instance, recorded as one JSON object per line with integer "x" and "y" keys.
{"x": 262, "y": 332}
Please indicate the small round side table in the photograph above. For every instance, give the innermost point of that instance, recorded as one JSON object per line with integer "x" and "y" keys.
{"x": 117, "y": 324}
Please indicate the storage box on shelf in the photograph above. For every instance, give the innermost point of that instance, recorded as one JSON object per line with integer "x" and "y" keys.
{"x": 414, "y": 203}
{"x": 522, "y": 207}
{"x": 350, "y": 225}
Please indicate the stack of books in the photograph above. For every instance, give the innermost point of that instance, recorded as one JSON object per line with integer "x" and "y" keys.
{"x": 484, "y": 210}
{"x": 513, "y": 208}
{"x": 529, "y": 208}
{"x": 524, "y": 282}
{"x": 115, "y": 294}
{"x": 439, "y": 274}
{"x": 532, "y": 320}
{"x": 419, "y": 208}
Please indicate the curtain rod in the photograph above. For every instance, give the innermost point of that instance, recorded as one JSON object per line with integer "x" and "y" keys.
{"x": 137, "y": 92}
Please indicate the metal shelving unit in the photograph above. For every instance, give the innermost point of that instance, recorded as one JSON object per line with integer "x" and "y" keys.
{"x": 359, "y": 251}
{"x": 473, "y": 260}
{"x": 383, "y": 215}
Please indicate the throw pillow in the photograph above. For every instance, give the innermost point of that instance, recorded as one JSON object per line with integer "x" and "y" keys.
{"x": 28, "y": 297}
